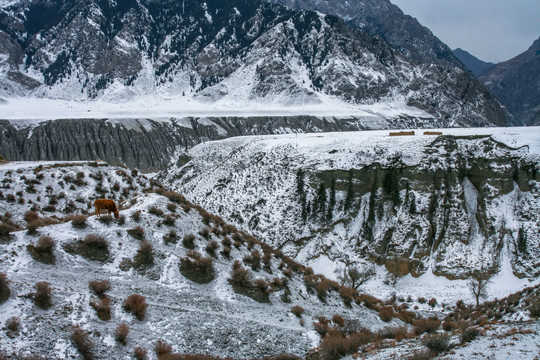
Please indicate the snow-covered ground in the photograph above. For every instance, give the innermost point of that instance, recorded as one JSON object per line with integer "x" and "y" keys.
{"x": 155, "y": 107}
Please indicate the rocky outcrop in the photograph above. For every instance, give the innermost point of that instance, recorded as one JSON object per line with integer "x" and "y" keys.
{"x": 453, "y": 205}
{"x": 149, "y": 145}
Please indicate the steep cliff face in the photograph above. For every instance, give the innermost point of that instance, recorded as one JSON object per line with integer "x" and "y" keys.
{"x": 220, "y": 53}
{"x": 149, "y": 145}
{"x": 452, "y": 205}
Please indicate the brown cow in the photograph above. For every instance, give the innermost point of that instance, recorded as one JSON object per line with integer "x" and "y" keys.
{"x": 106, "y": 204}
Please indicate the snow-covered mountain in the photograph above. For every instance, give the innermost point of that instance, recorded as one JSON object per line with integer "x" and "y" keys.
{"x": 452, "y": 205}
{"x": 239, "y": 52}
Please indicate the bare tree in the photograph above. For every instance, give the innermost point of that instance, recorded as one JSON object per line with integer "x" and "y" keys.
{"x": 354, "y": 277}
{"x": 478, "y": 284}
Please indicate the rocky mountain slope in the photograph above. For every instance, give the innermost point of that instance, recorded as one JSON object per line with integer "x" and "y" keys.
{"x": 516, "y": 84}
{"x": 477, "y": 66}
{"x": 168, "y": 280}
{"x": 216, "y": 53}
{"x": 453, "y": 206}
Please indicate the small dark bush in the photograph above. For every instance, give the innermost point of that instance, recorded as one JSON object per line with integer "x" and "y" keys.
{"x": 211, "y": 247}
{"x": 13, "y": 324}
{"x": 31, "y": 216}
{"x": 136, "y": 304}
{"x": 169, "y": 220}
{"x": 338, "y": 320}
{"x": 82, "y": 342}
{"x": 43, "y": 251}
{"x": 226, "y": 251}
{"x": 297, "y": 310}
{"x": 534, "y": 308}
{"x": 99, "y": 287}
{"x": 432, "y": 302}
{"x": 42, "y": 296}
{"x": 137, "y": 232}
{"x": 426, "y": 326}
{"x": 469, "y": 335}
{"x": 261, "y": 285}
{"x": 422, "y": 300}
{"x": 448, "y": 326}
{"x": 422, "y": 355}
{"x": 102, "y": 308}
{"x": 189, "y": 241}
{"x": 136, "y": 216}
{"x": 386, "y": 314}
{"x": 96, "y": 242}
{"x": 437, "y": 343}
{"x": 197, "y": 268}
{"x": 121, "y": 220}
{"x": 171, "y": 237}
{"x": 239, "y": 276}
{"x": 155, "y": 211}
{"x": 254, "y": 259}
{"x": 205, "y": 232}
{"x": 162, "y": 348}
{"x": 45, "y": 244}
{"x": 140, "y": 353}
{"x": 78, "y": 221}
{"x": 172, "y": 207}
{"x": 144, "y": 256}
{"x": 321, "y": 328}
{"x": 4, "y": 288}
{"x": 121, "y": 333}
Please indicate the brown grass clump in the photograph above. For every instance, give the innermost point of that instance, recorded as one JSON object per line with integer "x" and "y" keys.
{"x": 169, "y": 220}
{"x": 144, "y": 256}
{"x": 42, "y": 296}
{"x": 448, "y": 325}
{"x": 386, "y": 314}
{"x": 13, "y": 325}
{"x": 205, "y": 232}
{"x": 422, "y": 355}
{"x": 254, "y": 260}
{"x": 82, "y": 342}
{"x": 102, "y": 308}
{"x": 136, "y": 216}
{"x": 121, "y": 332}
{"x": 469, "y": 335}
{"x": 78, "y": 221}
{"x": 211, "y": 247}
{"x": 136, "y": 304}
{"x": 534, "y": 308}
{"x": 426, "y": 325}
{"x": 321, "y": 327}
{"x": 4, "y": 288}
{"x": 189, "y": 241}
{"x": 99, "y": 287}
{"x": 437, "y": 343}
{"x": 137, "y": 232}
{"x": 162, "y": 348}
{"x": 105, "y": 219}
{"x": 171, "y": 237}
{"x": 155, "y": 211}
{"x": 197, "y": 268}
{"x": 240, "y": 277}
{"x": 338, "y": 320}
{"x": 140, "y": 354}
{"x": 43, "y": 250}
{"x": 297, "y": 310}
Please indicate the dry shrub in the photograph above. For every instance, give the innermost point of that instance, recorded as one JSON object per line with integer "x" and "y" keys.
{"x": 96, "y": 242}
{"x": 406, "y": 316}
{"x": 226, "y": 251}
{"x": 386, "y": 314}
{"x": 432, "y": 302}
{"x": 171, "y": 237}
{"x": 197, "y": 268}
{"x": 211, "y": 247}
{"x": 45, "y": 244}
{"x": 4, "y": 288}
{"x": 189, "y": 241}
{"x": 137, "y": 232}
{"x": 162, "y": 348}
{"x": 437, "y": 343}
{"x": 338, "y": 320}
{"x": 136, "y": 304}
{"x": 297, "y": 310}
{"x": 121, "y": 332}
{"x": 13, "y": 324}
{"x": 121, "y": 220}
{"x": 42, "y": 296}
{"x": 169, "y": 220}
{"x": 99, "y": 287}
{"x": 448, "y": 325}
{"x": 335, "y": 347}
{"x": 30, "y": 216}
{"x": 102, "y": 308}
{"x": 369, "y": 301}
{"x": 105, "y": 219}
{"x": 78, "y": 221}
{"x": 174, "y": 197}
{"x": 422, "y": 355}
{"x": 261, "y": 285}
{"x": 393, "y": 332}
{"x": 82, "y": 342}
{"x": 205, "y": 232}
{"x": 422, "y": 300}
{"x": 240, "y": 277}
{"x": 172, "y": 207}
{"x": 155, "y": 211}
{"x": 144, "y": 256}
{"x": 426, "y": 325}
{"x": 347, "y": 294}
{"x": 534, "y": 308}
{"x": 469, "y": 335}
{"x": 140, "y": 354}
{"x": 136, "y": 216}
{"x": 321, "y": 327}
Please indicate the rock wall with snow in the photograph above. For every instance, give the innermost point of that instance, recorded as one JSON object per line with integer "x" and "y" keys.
{"x": 453, "y": 205}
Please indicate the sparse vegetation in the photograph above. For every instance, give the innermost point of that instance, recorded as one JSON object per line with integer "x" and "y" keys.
{"x": 136, "y": 304}
{"x": 13, "y": 325}
{"x": 162, "y": 348}
{"x": 100, "y": 287}
{"x": 42, "y": 296}
{"x": 189, "y": 241}
{"x": 43, "y": 251}
{"x": 469, "y": 335}
{"x": 140, "y": 354}
{"x": 437, "y": 343}
{"x": 354, "y": 277}
{"x": 93, "y": 247}
{"x": 197, "y": 268}
{"x": 78, "y": 221}
{"x": 82, "y": 342}
{"x": 211, "y": 247}
{"x": 171, "y": 237}
{"x": 121, "y": 332}
{"x": 102, "y": 308}
{"x": 297, "y": 310}
{"x": 478, "y": 284}
{"x": 144, "y": 256}
{"x": 137, "y": 232}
